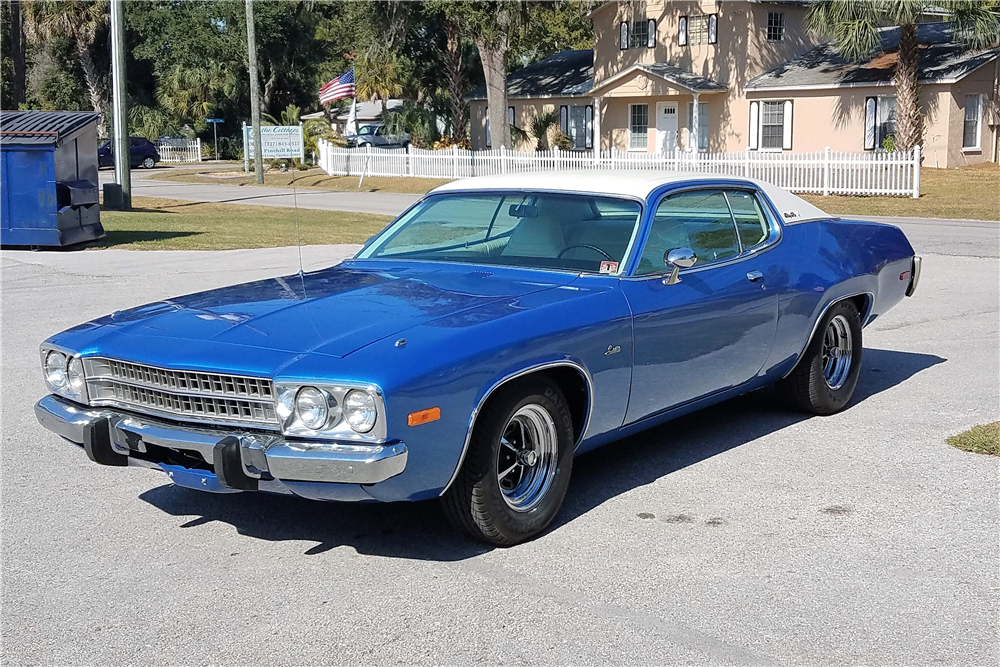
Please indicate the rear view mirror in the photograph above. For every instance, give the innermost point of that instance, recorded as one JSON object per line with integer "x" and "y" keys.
{"x": 522, "y": 211}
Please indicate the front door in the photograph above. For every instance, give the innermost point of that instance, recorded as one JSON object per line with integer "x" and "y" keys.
{"x": 666, "y": 127}
{"x": 714, "y": 329}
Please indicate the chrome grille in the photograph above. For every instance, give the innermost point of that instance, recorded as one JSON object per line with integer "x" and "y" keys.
{"x": 193, "y": 395}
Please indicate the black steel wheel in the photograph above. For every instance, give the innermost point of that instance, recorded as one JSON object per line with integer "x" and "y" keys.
{"x": 517, "y": 469}
{"x": 824, "y": 380}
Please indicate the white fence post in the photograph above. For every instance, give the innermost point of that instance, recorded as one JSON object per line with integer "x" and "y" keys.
{"x": 614, "y": 154}
{"x": 409, "y": 165}
{"x": 746, "y": 162}
{"x": 454, "y": 161}
{"x": 555, "y": 154}
{"x": 916, "y": 172}
{"x": 503, "y": 159}
{"x": 199, "y": 149}
{"x": 826, "y": 172}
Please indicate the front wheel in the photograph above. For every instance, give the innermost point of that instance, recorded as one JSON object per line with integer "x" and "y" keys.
{"x": 517, "y": 469}
{"x": 824, "y": 380}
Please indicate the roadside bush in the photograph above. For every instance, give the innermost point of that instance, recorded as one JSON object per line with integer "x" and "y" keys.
{"x": 447, "y": 142}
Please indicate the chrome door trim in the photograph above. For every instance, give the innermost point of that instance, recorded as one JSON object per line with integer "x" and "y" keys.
{"x": 870, "y": 302}
{"x": 514, "y": 376}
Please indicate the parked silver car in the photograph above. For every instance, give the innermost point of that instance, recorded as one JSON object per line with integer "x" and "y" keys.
{"x": 377, "y": 135}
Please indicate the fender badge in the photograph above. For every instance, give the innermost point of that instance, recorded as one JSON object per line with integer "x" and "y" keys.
{"x": 609, "y": 267}
{"x": 612, "y": 349}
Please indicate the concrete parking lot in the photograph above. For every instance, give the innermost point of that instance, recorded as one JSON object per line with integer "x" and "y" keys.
{"x": 743, "y": 534}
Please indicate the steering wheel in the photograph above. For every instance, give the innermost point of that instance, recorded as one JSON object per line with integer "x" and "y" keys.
{"x": 588, "y": 247}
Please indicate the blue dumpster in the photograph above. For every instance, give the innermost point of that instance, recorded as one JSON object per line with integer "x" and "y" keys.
{"x": 48, "y": 178}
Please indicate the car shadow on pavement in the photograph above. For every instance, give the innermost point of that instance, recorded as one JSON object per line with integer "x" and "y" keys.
{"x": 421, "y": 531}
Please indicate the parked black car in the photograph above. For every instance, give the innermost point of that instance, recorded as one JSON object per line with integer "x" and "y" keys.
{"x": 142, "y": 152}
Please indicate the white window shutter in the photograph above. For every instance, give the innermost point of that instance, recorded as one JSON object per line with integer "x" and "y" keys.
{"x": 754, "y": 141}
{"x": 871, "y": 116}
{"x": 786, "y": 131}
{"x": 623, "y": 35}
{"x": 713, "y": 28}
{"x": 510, "y": 115}
{"x": 651, "y": 34}
{"x": 589, "y": 115}
{"x": 682, "y": 31}
{"x": 564, "y": 119}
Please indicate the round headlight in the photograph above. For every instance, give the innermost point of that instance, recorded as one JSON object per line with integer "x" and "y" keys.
{"x": 360, "y": 411}
{"x": 74, "y": 374}
{"x": 312, "y": 408}
{"x": 55, "y": 370}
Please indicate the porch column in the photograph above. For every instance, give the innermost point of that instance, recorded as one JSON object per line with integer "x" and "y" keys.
{"x": 694, "y": 124}
{"x": 597, "y": 130}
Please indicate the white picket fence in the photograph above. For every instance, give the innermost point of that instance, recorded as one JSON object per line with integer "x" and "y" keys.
{"x": 179, "y": 150}
{"x": 825, "y": 172}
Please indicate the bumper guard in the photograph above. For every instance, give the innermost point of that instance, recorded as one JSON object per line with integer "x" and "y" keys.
{"x": 242, "y": 461}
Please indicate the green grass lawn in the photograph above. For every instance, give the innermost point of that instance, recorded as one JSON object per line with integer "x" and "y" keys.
{"x": 967, "y": 192}
{"x": 983, "y": 439}
{"x": 168, "y": 224}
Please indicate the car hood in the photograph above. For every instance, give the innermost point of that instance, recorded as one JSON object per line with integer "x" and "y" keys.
{"x": 333, "y": 312}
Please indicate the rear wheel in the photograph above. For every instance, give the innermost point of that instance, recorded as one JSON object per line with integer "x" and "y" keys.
{"x": 148, "y": 163}
{"x": 824, "y": 380}
{"x": 517, "y": 469}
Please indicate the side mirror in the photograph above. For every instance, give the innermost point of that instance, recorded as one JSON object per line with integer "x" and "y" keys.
{"x": 369, "y": 241}
{"x": 677, "y": 259}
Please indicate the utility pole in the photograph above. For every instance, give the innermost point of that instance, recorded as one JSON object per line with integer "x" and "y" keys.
{"x": 120, "y": 117}
{"x": 258, "y": 162}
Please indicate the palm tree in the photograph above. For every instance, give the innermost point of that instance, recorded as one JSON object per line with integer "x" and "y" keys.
{"x": 854, "y": 27}
{"x": 379, "y": 78}
{"x": 540, "y": 127}
{"x": 79, "y": 21}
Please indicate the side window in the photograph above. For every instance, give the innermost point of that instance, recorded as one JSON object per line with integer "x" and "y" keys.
{"x": 750, "y": 221}
{"x": 699, "y": 220}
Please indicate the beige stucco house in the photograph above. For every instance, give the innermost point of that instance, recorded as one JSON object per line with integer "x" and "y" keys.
{"x": 726, "y": 75}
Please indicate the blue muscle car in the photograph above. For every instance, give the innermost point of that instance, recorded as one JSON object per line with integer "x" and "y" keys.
{"x": 497, "y": 328}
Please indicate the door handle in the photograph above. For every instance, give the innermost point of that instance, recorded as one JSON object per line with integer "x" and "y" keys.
{"x": 754, "y": 276}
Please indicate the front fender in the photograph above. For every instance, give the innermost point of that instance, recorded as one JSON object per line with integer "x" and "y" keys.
{"x": 454, "y": 364}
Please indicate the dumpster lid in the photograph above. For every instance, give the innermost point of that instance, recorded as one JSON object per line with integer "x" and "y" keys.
{"x": 42, "y": 128}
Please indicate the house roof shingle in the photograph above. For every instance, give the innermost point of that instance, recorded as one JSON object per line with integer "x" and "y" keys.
{"x": 942, "y": 60}
{"x": 562, "y": 74}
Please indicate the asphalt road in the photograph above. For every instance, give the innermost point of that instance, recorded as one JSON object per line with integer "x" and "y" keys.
{"x": 743, "y": 534}
{"x": 144, "y": 184}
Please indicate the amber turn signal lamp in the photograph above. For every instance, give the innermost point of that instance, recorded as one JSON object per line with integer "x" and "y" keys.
{"x": 423, "y": 416}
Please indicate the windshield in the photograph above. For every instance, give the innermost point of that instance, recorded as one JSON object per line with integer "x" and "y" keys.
{"x": 367, "y": 129}
{"x": 537, "y": 230}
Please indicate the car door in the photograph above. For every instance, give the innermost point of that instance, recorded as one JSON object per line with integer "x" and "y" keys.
{"x": 712, "y": 330}
{"x": 380, "y": 139}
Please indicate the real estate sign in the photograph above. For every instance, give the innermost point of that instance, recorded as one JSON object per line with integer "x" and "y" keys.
{"x": 277, "y": 141}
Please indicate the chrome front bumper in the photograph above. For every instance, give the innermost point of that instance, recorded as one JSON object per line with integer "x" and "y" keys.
{"x": 239, "y": 460}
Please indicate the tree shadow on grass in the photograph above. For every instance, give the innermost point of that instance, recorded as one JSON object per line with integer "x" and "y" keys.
{"x": 116, "y": 238}
{"x": 420, "y": 530}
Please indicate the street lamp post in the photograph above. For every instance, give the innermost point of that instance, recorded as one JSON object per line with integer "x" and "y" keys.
{"x": 258, "y": 161}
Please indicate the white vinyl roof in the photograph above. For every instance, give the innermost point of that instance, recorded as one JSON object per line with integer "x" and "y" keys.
{"x": 632, "y": 184}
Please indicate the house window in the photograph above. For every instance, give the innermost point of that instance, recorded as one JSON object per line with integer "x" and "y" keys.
{"x": 775, "y": 26}
{"x": 702, "y": 123}
{"x": 638, "y": 126}
{"x": 697, "y": 29}
{"x": 886, "y": 122}
{"x": 772, "y": 124}
{"x": 973, "y": 124}
{"x": 577, "y": 123}
{"x": 880, "y": 123}
{"x": 638, "y": 34}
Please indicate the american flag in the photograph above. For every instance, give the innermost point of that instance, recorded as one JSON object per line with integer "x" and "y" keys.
{"x": 342, "y": 86}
